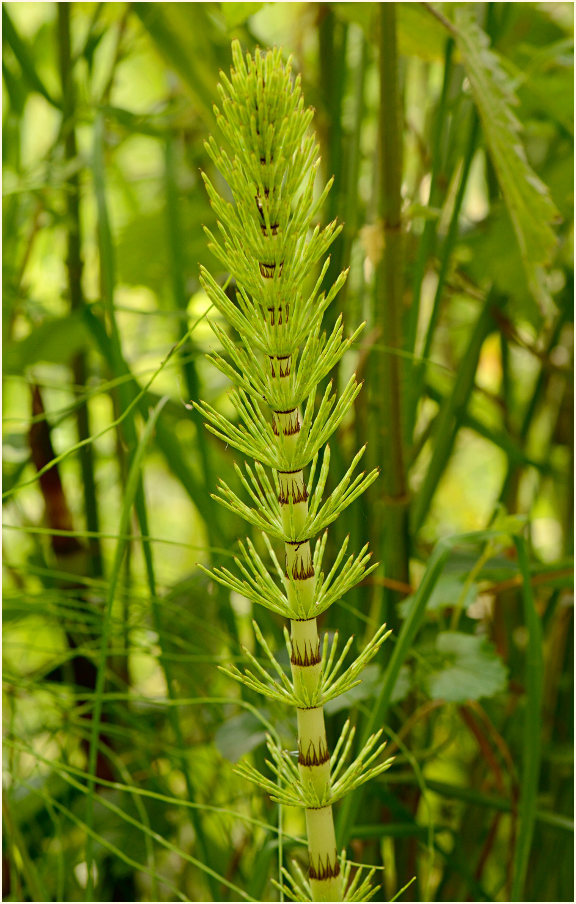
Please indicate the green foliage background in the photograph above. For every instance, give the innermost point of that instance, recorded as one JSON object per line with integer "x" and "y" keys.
{"x": 120, "y": 733}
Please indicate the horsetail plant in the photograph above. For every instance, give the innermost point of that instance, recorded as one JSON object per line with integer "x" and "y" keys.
{"x": 277, "y": 360}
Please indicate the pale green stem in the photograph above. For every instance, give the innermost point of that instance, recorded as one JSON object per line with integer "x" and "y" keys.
{"x": 313, "y": 753}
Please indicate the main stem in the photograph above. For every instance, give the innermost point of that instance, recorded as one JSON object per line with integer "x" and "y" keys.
{"x": 306, "y": 661}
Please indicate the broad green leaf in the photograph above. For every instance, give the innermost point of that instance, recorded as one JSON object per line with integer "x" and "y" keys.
{"x": 529, "y": 204}
{"x": 471, "y": 669}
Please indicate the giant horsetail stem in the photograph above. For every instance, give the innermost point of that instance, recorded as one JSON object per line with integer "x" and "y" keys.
{"x": 267, "y": 242}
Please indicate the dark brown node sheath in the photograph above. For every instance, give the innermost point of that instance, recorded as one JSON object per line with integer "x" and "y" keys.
{"x": 300, "y": 495}
{"x": 289, "y": 429}
{"x": 280, "y": 321}
{"x": 313, "y": 757}
{"x": 325, "y": 871}
{"x": 273, "y": 229}
{"x": 311, "y": 657}
{"x": 284, "y": 361}
{"x": 301, "y": 572}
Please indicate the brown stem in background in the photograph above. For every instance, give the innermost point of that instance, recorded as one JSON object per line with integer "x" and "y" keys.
{"x": 70, "y": 556}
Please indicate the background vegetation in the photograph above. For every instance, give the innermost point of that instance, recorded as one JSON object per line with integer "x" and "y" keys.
{"x": 120, "y": 733}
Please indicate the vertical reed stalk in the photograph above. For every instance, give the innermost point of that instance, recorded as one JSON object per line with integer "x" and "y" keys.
{"x": 391, "y": 529}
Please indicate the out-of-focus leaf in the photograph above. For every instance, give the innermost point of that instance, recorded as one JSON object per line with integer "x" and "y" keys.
{"x": 362, "y": 14}
{"x": 148, "y": 232}
{"x": 24, "y": 57}
{"x": 471, "y": 669}
{"x": 239, "y": 735}
{"x": 56, "y": 341}
{"x": 403, "y": 685}
{"x": 546, "y": 83}
{"x": 237, "y": 13}
{"x": 446, "y": 593}
{"x": 135, "y": 122}
{"x": 16, "y": 90}
{"x": 182, "y": 33}
{"x": 15, "y": 447}
{"x": 528, "y": 201}
{"x": 510, "y": 526}
{"x": 419, "y": 33}
{"x": 505, "y": 271}
{"x": 371, "y": 679}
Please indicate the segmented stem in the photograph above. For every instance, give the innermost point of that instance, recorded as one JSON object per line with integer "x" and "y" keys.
{"x": 305, "y": 662}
